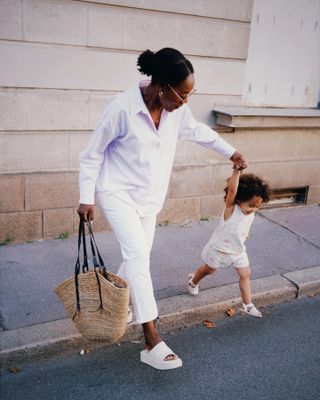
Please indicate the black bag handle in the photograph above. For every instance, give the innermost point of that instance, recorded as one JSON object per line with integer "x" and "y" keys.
{"x": 97, "y": 259}
{"x": 97, "y": 262}
{"x": 85, "y": 266}
{"x": 96, "y": 256}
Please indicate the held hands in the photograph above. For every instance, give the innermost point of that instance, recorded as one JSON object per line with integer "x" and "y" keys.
{"x": 239, "y": 161}
{"x": 237, "y": 168}
{"x": 86, "y": 211}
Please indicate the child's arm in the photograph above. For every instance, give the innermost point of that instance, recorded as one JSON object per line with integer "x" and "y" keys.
{"x": 232, "y": 188}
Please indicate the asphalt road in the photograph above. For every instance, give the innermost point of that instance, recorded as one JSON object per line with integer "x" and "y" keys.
{"x": 275, "y": 358}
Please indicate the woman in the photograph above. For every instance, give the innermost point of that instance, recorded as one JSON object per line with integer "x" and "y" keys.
{"x": 127, "y": 165}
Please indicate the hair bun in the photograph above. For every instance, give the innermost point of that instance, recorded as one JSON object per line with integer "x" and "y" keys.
{"x": 145, "y": 62}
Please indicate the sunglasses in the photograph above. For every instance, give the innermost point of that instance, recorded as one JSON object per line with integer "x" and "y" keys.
{"x": 183, "y": 99}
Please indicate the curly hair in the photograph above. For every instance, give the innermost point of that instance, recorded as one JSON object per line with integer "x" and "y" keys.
{"x": 250, "y": 185}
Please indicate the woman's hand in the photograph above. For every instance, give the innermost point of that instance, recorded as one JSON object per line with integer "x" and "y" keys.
{"x": 85, "y": 211}
{"x": 239, "y": 161}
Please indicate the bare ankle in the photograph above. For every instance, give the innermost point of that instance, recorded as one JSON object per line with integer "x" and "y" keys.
{"x": 192, "y": 282}
{"x": 151, "y": 334}
{"x": 152, "y": 340}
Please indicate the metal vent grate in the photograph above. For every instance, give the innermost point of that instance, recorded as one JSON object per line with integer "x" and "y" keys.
{"x": 287, "y": 197}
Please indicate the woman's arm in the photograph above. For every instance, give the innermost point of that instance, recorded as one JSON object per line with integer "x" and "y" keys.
{"x": 195, "y": 131}
{"x": 107, "y": 129}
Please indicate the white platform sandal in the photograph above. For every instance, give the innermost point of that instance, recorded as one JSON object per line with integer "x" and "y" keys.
{"x": 130, "y": 316}
{"x": 156, "y": 357}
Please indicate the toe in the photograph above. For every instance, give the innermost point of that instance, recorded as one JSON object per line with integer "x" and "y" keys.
{"x": 170, "y": 357}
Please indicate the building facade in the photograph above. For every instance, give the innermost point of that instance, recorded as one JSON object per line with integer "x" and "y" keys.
{"x": 62, "y": 59}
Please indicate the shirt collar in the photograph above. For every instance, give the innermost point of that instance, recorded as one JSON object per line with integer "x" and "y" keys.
{"x": 137, "y": 102}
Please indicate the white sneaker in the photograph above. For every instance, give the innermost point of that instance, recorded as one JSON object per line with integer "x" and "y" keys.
{"x": 130, "y": 316}
{"x": 193, "y": 289}
{"x": 250, "y": 309}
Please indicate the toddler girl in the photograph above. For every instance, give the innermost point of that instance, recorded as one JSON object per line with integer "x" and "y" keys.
{"x": 245, "y": 193}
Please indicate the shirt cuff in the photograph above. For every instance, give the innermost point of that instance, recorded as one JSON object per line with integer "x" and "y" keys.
{"x": 225, "y": 149}
{"x": 86, "y": 199}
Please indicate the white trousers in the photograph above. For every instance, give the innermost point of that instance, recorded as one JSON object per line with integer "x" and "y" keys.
{"x": 135, "y": 235}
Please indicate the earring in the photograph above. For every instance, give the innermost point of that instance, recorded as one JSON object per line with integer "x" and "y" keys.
{"x": 160, "y": 94}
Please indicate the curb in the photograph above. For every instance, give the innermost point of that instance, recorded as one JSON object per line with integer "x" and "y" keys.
{"x": 57, "y": 337}
{"x": 306, "y": 280}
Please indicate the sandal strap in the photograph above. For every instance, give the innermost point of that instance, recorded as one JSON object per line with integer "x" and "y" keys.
{"x": 161, "y": 351}
{"x": 190, "y": 281}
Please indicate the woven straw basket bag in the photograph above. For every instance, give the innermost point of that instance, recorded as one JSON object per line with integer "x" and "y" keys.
{"x": 97, "y": 301}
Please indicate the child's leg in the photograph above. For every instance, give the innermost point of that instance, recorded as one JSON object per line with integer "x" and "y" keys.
{"x": 245, "y": 288}
{"x": 244, "y": 284}
{"x": 201, "y": 272}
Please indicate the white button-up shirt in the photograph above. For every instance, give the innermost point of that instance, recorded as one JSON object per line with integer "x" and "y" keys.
{"x": 128, "y": 157}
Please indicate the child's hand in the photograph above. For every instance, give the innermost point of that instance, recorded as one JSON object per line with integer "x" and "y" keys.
{"x": 239, "y": 161}
{"x": 237, "y": 167}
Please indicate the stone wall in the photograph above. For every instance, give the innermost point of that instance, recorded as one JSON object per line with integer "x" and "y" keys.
{"x": 62, "y": 59}
{"x": 43, "y": 205}
{"x": 286, "y": 158}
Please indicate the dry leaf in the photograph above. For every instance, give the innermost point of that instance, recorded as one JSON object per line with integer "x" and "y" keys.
{"x": 209, "y": 324}
{"x": 231, "y": 312}
{"x": 84, "y": 351}
{"x": 15, "y": 370}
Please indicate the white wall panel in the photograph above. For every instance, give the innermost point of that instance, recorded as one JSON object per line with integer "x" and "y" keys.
{"x": 60, "y": 67}
{"x": 32, "y": 109}
{"x": 224, "y": 9}
{"x": 105, "y": 26}
{"x": 283, "y": 66}
{"x": 11, "y": 19}
{"x": 69, "y": 110}
{"x": 152, "y": 30}
{"x": 44, "y": 66}
{"x": 98, "y": 25}
{"x": 33, "y": 152}
{"x": 54, "y": 21}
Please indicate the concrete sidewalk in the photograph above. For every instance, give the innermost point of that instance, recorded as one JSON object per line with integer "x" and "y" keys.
{"x": 283, "y": 248}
